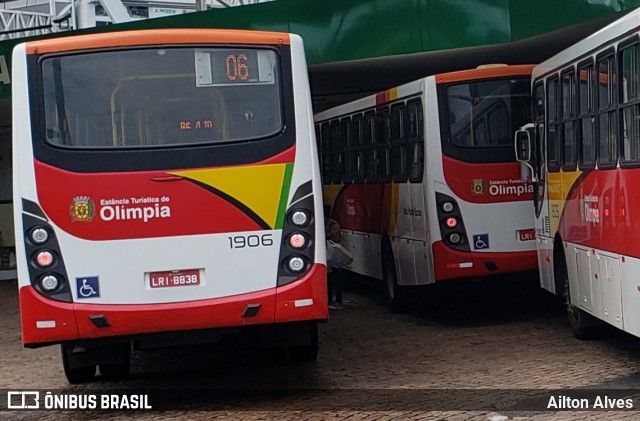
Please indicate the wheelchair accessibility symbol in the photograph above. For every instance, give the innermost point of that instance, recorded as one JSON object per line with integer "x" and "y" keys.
{"x": 88, "y": 287}
{"x": 481, "y": 241}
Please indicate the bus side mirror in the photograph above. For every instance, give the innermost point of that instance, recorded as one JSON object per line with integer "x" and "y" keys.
{"x": 523, "y": 146}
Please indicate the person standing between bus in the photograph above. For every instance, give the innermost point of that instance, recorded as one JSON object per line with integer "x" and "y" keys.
{"x": 337, "y": 258}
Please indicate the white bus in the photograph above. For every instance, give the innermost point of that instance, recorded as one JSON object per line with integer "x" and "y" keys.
{"x": 584, "y": 152}
{"x": 166, "y": 186}
{"x": 424, "y": 181}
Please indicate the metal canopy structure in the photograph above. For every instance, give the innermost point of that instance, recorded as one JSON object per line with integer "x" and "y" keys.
{"x": 357, "y": 47}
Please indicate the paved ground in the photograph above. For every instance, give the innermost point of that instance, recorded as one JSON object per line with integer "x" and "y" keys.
{"x": 472, "y": 351}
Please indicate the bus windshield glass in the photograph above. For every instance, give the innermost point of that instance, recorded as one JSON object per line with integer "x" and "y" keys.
{"x": 161, "y": 97}
{"x": 487, "y": 113}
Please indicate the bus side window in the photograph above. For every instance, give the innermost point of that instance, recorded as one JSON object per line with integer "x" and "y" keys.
{"x": 587, "y": 158}
{"x": 629, "y": 99}
{"x": 553, "y": 127}
{"x": 398, "y": 143}
{"x": 415, "y": 141}
{"x": 348, "y": 150}
{"x": 336, "y": 154}
{"x": 382, "y": 139}
{"x": 607, "y": 127}
{"x": 325, "y": 142}
{"x": 371, "y": 152}
{"x": 359, "y": 147}
{"x": 569, "y": 158}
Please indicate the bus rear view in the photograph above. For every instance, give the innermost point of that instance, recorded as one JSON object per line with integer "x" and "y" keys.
{"x": 166, "y": 186}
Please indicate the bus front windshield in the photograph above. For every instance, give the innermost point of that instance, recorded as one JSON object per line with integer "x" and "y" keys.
{"x": 487, "y": 113}
{"x": 156, "y": 97}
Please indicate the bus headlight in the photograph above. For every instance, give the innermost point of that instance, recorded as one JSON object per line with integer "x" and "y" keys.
{"x": 39, "y": 235}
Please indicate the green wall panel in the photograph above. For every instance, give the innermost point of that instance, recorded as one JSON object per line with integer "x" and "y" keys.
{"x": 338, "y": 30}
{"x": 463, "y": 23}
{"x": 529, "y": 18}
{"x": 362, "y": 28}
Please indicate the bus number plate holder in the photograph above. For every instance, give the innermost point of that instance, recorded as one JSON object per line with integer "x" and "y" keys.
{"x": 174, "y": 278}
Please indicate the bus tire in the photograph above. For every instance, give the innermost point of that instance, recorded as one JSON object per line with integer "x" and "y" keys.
{"x": 583, "y": 325}
{"x": 396, "y": 294}
{"x": 307, "y": 353}
{"x": 119, "y": 369}
{"x": 75, "y": 375}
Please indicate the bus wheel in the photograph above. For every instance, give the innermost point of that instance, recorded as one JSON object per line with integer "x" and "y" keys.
{"x": 396, "y": 295}
{"x": 122, "y": 367}
{"x": 583, "y": 325}
{"x": 75, "y": 374}
{"x": 306, "y": 353}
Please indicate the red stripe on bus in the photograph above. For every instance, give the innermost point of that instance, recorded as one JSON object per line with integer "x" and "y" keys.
{"x": 157, "y": 37}
{"x": 486, "y": 182}
{"x": 276, "y": 304}
{"x": 453, "y": 264}
{"x": 180, "y": 207}
{"x": 600, "y": 210}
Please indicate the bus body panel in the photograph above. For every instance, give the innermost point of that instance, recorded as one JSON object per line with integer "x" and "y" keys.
{"x": 44, "y": 322}
{"x": 123, "y": 231}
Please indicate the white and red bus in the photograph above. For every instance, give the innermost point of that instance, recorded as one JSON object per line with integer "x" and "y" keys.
{"x": 424, "y": 181}
{"x": 584, "y": 150}
{"x": 166, "y": 190}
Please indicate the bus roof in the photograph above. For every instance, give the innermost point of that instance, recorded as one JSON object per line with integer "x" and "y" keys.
{"x": 414, "y": 87}
{"x": 485, "y": 73}
{"x": 589, "y": 45}
{"x": 156, "y": 37}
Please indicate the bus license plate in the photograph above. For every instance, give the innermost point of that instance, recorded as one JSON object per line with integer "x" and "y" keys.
{"x": 175, "y": 278}
{"x": 526, "y": 235}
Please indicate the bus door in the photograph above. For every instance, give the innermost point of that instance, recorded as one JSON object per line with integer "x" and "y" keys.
{"x": 541, "y": 203}
{"x": 416, "y": 158}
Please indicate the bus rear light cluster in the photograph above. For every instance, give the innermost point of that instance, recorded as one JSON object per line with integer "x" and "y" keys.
{"x": 451, "y": 224}
{"x": 297, "y": 250}
{"x": 46, "y": 266}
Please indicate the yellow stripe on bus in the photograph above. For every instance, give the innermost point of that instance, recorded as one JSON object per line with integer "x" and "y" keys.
{"x": 258, "y": 187}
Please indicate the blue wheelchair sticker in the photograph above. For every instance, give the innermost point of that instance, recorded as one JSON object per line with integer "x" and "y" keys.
{"x": 481, "y": 241}
{"x": 88, "y": 287}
